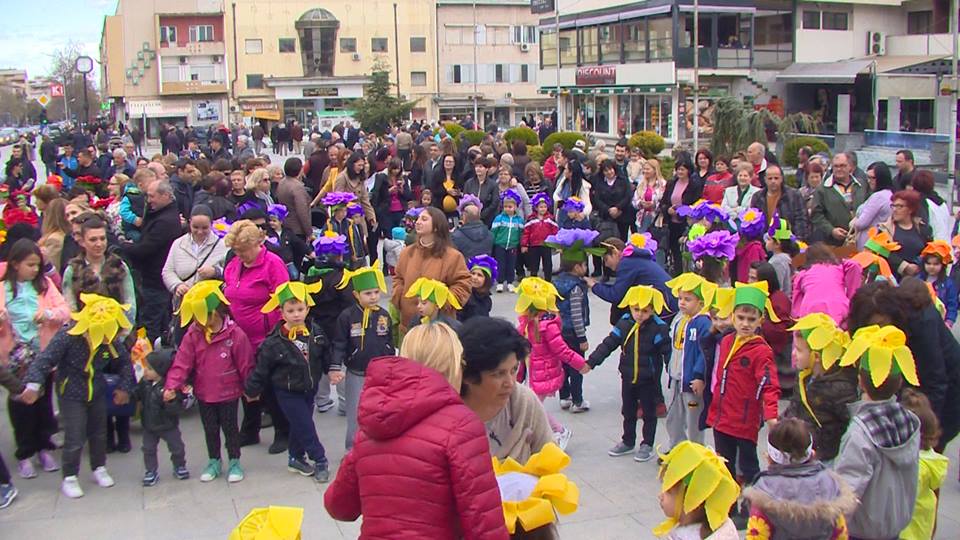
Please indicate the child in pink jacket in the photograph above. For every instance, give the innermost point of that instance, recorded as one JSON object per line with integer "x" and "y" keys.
{"x": 540, "y": 324}
{"x": 825, "y": 286}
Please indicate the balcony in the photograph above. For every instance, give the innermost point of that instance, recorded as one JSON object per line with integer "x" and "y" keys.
{"x": 919, "y": 44}
{"x": 194, "y": 48}
{"x": 179, "y": 88}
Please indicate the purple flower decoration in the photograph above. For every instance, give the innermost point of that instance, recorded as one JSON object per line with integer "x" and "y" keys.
{"x": 273, "y": 240}
{"x": 575, "y": 244}
{"x": 718, "y": 244}
{"x": 354, "y": 209}
{"x": 414, "y": 213}
{"x": 330, "y": 243}
{"x": 540, "y": 198}
{"x": 485, "y": 262}
{"x": 752, "y": 223}
{"x": 247, "y": 206}
{"x": 220, "y": 227}
{"x": 467, "y": 200}
{"x": 338, "y": 198}
{"x": 703, "y": 209}
{"x": 510, "y": 194}
{"x": 573, "y": 204}
{"x": 278, "y": 211}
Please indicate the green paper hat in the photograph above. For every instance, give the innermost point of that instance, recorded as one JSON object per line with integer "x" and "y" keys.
{"x": 780, "y": 230}
{"x": 745, "y": 294}
{"x": 364, "y": 279}
{"x": 292, "y": 290}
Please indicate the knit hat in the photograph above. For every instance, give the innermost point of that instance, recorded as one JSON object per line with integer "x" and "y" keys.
{"x": 485, "y": 263}
{"x": 745, "y": 294}
{"x": 434, "y": 291}
{"x": 881, "y": 350}
{"x": 537, "y": 294}
{"x": 823, "y": 335}
{"x": 364, "y": 279}
{"x": 201, "y": 300}
{"x": 641, "y": 296}
{"x": 160, "y": 361}
{"x": 939, "y": 248}
{"x": 574, "y": 244}
{"x": 704, "y": 481}
{"x": 695, "y": 284}
{"x": 291, "y": 290}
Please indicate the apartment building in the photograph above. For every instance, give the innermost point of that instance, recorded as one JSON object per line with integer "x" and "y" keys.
{"x": 15, "y": 80}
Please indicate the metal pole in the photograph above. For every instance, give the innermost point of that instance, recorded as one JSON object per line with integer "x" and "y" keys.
{"x": 86, "y": 103}
{"x": 476, "y": 73}
{"x": 66, "y": 106}
{"x": 396, "y": 42}
{"x": 556, "y": 22}
{"x": 696, "y": 75}
{"x": 952, "y": 153}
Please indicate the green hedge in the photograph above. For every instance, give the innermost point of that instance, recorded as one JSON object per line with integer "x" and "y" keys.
{"x": 792, "y": 146}
{"x": 523, "y": 133}
{"x": 537, "y": 154}
{"x": 649, "y": 143}
{"x": 666, "y": 166}
{"x": 453, "y": 130}
{"x": 566, "y": 138}
{"x": 473, "y": 136}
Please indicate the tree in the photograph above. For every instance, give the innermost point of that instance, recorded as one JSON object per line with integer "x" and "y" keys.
{"x": 62, "y": 70}
{"x": 735, "y": 126}
{"x": 380, "y": 107}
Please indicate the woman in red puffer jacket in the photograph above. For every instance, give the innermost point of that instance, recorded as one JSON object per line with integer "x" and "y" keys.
{"x": 420, "y": 467}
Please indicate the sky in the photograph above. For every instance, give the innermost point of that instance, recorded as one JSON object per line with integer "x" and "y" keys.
{"x": 34, "y": 29}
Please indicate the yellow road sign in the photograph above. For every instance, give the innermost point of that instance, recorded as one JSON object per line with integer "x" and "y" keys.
{"x": 43, "y": 100}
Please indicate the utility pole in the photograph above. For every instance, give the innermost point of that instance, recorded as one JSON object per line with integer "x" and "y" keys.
{"x": 396, "y": 46}
{"x": 556, "y": 25}
{"x": 696, "y": 75}
{"x": 476, "y": 73}
{"x": 952, "y": 152}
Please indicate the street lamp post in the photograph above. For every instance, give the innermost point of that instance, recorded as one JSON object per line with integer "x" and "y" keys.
{"x": 84, "y": 65}
{"x": 476, "y": 74}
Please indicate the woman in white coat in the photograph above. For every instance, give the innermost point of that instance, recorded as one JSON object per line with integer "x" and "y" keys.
{"x": 737, "y": 198}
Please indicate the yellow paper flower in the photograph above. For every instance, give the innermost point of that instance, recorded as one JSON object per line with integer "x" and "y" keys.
{"x": 273, "y": 523}
{"x": 881, "y": 350}
{"x": 363, "y": 279}
{"x": 696, "y": 284}
{"x": 202, "y": 298}
{"x": 532, "y": 492}
{"x": 100, "y": 320}
{"x": 824, "y": 336}
{"x": 705, "y": 479}
{"x": 749, "y": 294}
{"x": 538, "y": 294}
{"x": 434, "y": 291}
{"x": 758, "y": 529}
{"x": 290, "y": 290}
{"x": 642, "y": 296}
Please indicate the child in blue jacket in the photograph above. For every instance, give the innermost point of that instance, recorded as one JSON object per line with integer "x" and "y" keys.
{"x": 936, "y": 256}
{"x": 507, "y": 228}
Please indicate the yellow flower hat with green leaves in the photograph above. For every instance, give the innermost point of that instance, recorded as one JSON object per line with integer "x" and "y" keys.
{"x": 704, "y": 479}
{"x": 532, "y": 492}
{"x": 642, "y": 296}
{"x": 745, "y": 294}
{"x": 695, "y": 284}
{"x": 200, "y": 300}
{"x": 881, "y": 350}
{"x": 434, "y": 291}
{"x": 536, "y": 293}
{"x": 289, "y": 291}
{"x": 364, "y": 279}
{"x": 823, "y": 335}
{"x": 271, "y": 523}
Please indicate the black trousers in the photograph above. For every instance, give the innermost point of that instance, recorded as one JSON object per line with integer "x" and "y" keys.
{"x": 151, "y": 440}
{"x": 644, "y": 392}
{"x": 675, "y": 260}
{"x": 740, "y": 452}
{"x": 154, "y": 311}
{"x": 217, "y": 417}
{"x": 535, "y": 255}
{"x": 4, "y": 472}
{"x": 572, "y": 387}
{"x": 253, "y": 409}
{"x": 84, "y": 422}
{"x": 118, "y": 431}
{"x": 33, "y": 424}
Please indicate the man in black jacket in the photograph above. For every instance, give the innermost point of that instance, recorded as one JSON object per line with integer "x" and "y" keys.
{"x": 161, "y": 227}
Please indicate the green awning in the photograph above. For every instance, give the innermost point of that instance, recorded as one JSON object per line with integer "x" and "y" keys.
{"x": 608, "y": 90}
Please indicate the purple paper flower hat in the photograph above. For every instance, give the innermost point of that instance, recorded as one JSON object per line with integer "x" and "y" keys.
{"x": 573, "y": 204}
{"x": 467, "y": 200}
{"x": 354, "y": 209}
{"x": 752, "y": 224}
{"x": 330, "y": 243}
{"x": 717, "y": 244}
{"x": 511, "y": 194}
{"x": 413, "y": 213}
{"x": 642, "y": 242}
{"x": 540, "y": 198}
{"x": 245, "y": 207}
{"x": 220, "y": 227}
{"x": 278, "y": 211}
{"x": 574, "y": 244}
{"x": 703, "y": 209}
{"x": 485, "y": 263}
{"x": 338, "y": 198}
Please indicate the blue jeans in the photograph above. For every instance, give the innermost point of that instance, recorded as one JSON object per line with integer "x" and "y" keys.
{"x": 298, "y": 408}
{"x": 506, "y": 263}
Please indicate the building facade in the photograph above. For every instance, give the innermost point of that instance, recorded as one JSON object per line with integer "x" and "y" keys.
{"x": 14, "y": 80}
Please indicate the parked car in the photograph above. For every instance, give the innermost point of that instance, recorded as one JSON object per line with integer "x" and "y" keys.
{"x": 8, "y": 136}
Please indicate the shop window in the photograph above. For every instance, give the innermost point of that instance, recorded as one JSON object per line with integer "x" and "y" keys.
{"x": 254, "y": 81}
{"x": 418, "y": 78}
{"x": 610, "y": 43}
{"x": 287, "y": 45}
{"x": 635, "y": 41}
{"x": 920, "y": 22}
{"x": 348, "y": 45}
{"x": 811, "y": 19}
{"x": 834, "y": 20}
{"x": 253, "y": 46}
{"x": 589, "y": 45}
{"x": 418, "y": 44}
{"x": 378, "y": 45}
{"x": 916, "y": 115}
{"x": 603, "y": 115}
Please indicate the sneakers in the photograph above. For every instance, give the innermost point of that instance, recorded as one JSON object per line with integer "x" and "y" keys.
{"x": 102, "y": 477}
{"x": 565, "y": 404}
{"x": 150, "y": 478}
{"x": 511, "y": 288}
{"x": 563, "y": 438}
{"x": 26, "y": 469}
{"x": 48, "y": 462}
{"x": 644, "y": 453}
{"x": 620, "y": 449}
{"x": 325, "y": 406}
{"x": 583, "y": 406}
{"x": 181, "y": 473}
{"x": 71, "y": 487}
{"x": 235, "y": 472}
{"x": 321, "y": 472}
{"x": 211, "y": 472}
{"x": 278, "y": 446}
{"x": 499, "y": 287}
{"x": 300, "y": 466}
{"x": 7, "y": 494}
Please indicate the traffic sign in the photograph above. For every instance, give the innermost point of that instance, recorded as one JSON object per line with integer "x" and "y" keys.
{"x": 43, "y": 100}
{"x": 56, "y": 90}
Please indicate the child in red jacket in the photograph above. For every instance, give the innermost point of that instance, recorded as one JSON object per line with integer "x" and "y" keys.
{"x": 745, "y": 384}
{"x": 539, "y": 226}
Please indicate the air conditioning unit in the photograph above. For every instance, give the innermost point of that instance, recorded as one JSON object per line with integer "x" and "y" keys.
{"x": 876, "y": 43}
{"x": 356, "y": 57}
{"x": 183, "y": 59}
{"x": 217, "y": 59}
{"x": 524, "y": 47}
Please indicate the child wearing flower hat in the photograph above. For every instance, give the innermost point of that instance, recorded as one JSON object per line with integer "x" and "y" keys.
{"x": 936, "y": 257}
{"x": 696, "y": 493}
{"x": 432, "y": 297}
{"x": 507, "y": 228}
{"x": 538, "y": 227}
{"x": 750, "y": 249}
{"x": 645, "y": 341}
{"x": 483, "y": 274}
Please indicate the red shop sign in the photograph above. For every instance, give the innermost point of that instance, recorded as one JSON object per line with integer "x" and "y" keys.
{"x": 596, "y": 75}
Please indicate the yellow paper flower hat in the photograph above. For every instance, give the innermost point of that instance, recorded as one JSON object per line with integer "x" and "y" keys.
{"x": 272, "y": 523}
{"x": 99, "y": 321}
{"x": 536, "y": 293}
{"x": 881, "y": 350}
{"x": 642, "y": 296}
{"x": 696, "y": 284}
{"x": 289, "y": 291}
{"x": 745, "y": 294}
{"x": 364, "y": 279}
{"x": 823, "y": 335}
{"x": 533, "y": 491}
{"x": 705, "y": 480}
{"x": 434, "y": 291}
{"x": 202, "y": 298}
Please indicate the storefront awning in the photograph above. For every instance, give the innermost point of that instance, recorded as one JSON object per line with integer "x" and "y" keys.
{"x": 843, "y": 72}
{"x": 263, "y": 115}
{"x": 600, "y": 90}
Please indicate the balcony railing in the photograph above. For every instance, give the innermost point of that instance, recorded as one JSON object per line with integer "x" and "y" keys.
{"x": 193, "y": 48}
{"x": 172, "y": 88}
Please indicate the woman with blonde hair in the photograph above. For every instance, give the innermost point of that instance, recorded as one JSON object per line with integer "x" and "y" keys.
{"x": 115, "y": 187}
{"x": 258, "y": 183}
{"x": 54, "y": 230}
{"x": 436, "y": 346}
{"x": 646, "y": 198}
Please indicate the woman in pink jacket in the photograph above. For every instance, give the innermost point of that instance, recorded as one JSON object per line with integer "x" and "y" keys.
{"x": 540, "y": 324}
{"x": 31, "y": 312}
{"x": 825, "y": 286}
{"x": 250, "y": 278}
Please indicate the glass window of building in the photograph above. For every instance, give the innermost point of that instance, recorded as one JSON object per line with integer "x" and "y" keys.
{"x": 660, "y": 30}
{"x": 602, "y": 124}
{"x": 589, "y": 45}
{"x": 568, "y": 47}
{"x": 168, "y": 34}
{"x": 498, "y": 34}
{"x": 378, "y": 44}
{"x": 548, "y": 48}
{"x": 203, "y": 32}
{"x": 287, "y": 45}
{"x": 253, "y": 46}
{"x": 254, "y": 80}
{"x": 635, "y": 41}
{"x": 773, "y": 39}
{"x": 348, "y": 45}
{"x": 418, "y": 78}
{"x": 317, "y": 29}
{"x": 418, "y": 44}
{"x": 834, "y": 20}
{"x": 733, "y": 31}
{"x": 524, "y": 73}
{"x": 811, "y": 19}
{"x": 920, "y": 22}
{"x": 610, "y": 38}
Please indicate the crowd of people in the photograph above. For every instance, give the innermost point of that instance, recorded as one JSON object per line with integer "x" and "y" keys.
{"x": 258, "y": 288}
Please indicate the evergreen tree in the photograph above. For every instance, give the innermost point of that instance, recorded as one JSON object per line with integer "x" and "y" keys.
{"x": 380, "y": 106}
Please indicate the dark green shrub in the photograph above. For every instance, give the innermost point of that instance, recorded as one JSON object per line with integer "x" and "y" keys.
{"x": 566, "y": 138}
{"x": 453, "y": 129}
{"x": 473, "y": 137}
{"x": 790, "y": 149}
{"x": 522, "y": 133}
{"x": 537, "y": 154}
{"x": 649, "y": 143}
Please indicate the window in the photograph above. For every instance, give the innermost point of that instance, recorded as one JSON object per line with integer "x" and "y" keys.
{"x": 287, "y": 45}
{"x": 254, "y": 80}
{"x": 635, "y": 41}
{"x": 834, "y": 20}
{"x": 568, "y": 47}
{"x": 457, "y": 74}
{"x": 460, "y": 73}
{"x": 610, "y": 43}
{"x": 378, "y": 44}
{"x": 253, "y": 46}
{"x": 168, "y": 34}
{"x": 661, "y": 38}
{"x": 920, "y": 22}
{"x": 525, "y": 34}
{"x": 524, "y": 73}
{"x": 498, "y": 73}
{"x": 418, "y": 78}
{"x": 499, "y": 35}
{"x": 548, "y": 48}
{"x": 811, "y": 20}
{"x": 418, "y": 44}
{"x": 589, "y": 46}
{"x": 348, "y": 44}
{"x": 203, "y": 32}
